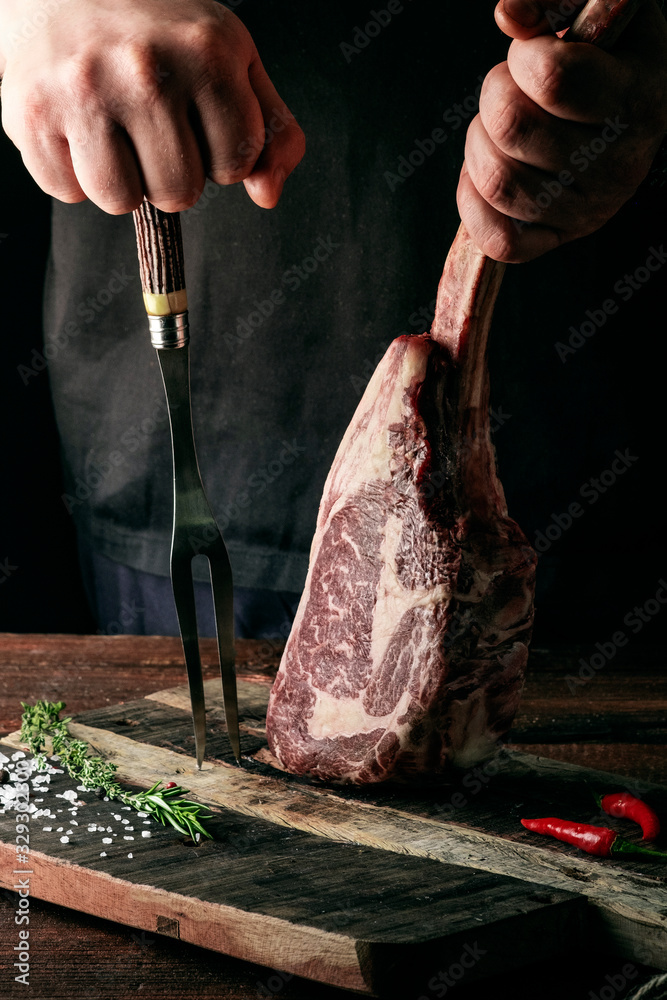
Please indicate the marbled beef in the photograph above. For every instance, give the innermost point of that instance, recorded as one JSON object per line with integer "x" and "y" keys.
{"x": 408, "y": 649}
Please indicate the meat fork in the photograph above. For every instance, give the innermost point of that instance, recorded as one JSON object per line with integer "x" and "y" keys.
{"x": 195, "y": 531}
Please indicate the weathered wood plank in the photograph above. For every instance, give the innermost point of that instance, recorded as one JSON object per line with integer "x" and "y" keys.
{"x": 630, "y": 898}
{"x": 286, "y": 899}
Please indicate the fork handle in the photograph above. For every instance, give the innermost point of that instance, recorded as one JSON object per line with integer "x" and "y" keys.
{"x": 161, "y": 267}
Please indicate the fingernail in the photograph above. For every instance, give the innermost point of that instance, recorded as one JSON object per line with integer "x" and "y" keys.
{"x": 524, "y": 12}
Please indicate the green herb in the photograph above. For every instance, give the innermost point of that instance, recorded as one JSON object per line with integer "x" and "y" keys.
{"x": 43, "y": 720}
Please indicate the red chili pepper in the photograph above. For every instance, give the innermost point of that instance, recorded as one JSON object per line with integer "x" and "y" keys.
{"x": 623, "y": 804}
{"x": 599, "y": 840}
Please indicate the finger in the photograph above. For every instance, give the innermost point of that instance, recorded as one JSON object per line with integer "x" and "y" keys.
{"x": 571, "y": 80}
{"x": 524, "y": 19}
{"x": 105, "y": 167}
{"x": 497, "y": 235}
{"x": 563, "y": 200}
{"x": 169, "y": 157}
{"x": 284, "y": 142}
{"x": 230, "y": 128}
{"x": 43, "y": 146}
{"x": 522, "y": 129}
{"x": 47, "y": 158}
{"x": 516, "y": 189}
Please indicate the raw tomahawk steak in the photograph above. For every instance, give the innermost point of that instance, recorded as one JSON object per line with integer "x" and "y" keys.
{"x": 408, "y": 649}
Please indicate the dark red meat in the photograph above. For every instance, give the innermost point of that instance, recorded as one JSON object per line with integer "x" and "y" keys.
{"x": 408, "y": 650}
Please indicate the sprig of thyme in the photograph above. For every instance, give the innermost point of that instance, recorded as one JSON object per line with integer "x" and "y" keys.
{"x": 43, "y": 720}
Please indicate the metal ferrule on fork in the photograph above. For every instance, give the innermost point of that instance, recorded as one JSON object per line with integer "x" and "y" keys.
{"x": 169, "y": 332}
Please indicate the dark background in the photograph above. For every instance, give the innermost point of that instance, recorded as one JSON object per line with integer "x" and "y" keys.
{"x": 562, "y": 422}
{"x": 43, "y": 592}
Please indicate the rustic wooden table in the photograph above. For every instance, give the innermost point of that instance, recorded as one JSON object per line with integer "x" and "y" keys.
{"x": 608, "y": 714}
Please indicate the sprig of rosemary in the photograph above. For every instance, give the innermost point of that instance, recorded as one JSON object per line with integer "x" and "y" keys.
{"x": 43, "y": 720}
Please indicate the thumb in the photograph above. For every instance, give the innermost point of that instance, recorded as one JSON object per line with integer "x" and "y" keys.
{"x": 284, "y": 143}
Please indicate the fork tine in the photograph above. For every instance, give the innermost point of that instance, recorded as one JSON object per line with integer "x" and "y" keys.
{"x": 222, "y": 586}
{"x": 184, "y": 598}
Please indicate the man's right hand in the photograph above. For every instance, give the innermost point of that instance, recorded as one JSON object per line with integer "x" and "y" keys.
{"x": 113, "y": 101}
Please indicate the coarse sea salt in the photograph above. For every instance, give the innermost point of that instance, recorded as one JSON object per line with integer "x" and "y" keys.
{"x": 146, "y": 833}
{"x": 64, "y": 840}
{"x": 128, "y": 838}
{"x": 130, "y": 855}
{"x": 47, "y": 829}
{"x": 19, "y": 755}
{"x": 107, "y": 840}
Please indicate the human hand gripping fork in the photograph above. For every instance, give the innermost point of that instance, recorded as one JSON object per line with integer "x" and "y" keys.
{"x": 160, "y": 250}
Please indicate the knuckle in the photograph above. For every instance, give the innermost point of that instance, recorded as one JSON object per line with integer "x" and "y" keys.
{"x": 175, "y": 201}
{"x": 122, "y": 207}
{"x": 203, "y": 42}
{"x": 142, "y": 74}
{"x": 509, "y": 125}
{"x": 552, "y": 79}
{"x": 81, "y": 79}
{"x": 497, "y": 185}
{"x": 500, "y": 244}
{"x": 230, "y": 170}
{"x": 68, "y": 195}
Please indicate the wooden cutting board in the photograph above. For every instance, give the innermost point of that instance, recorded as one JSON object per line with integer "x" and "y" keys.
{"x": 387, "y": 891}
